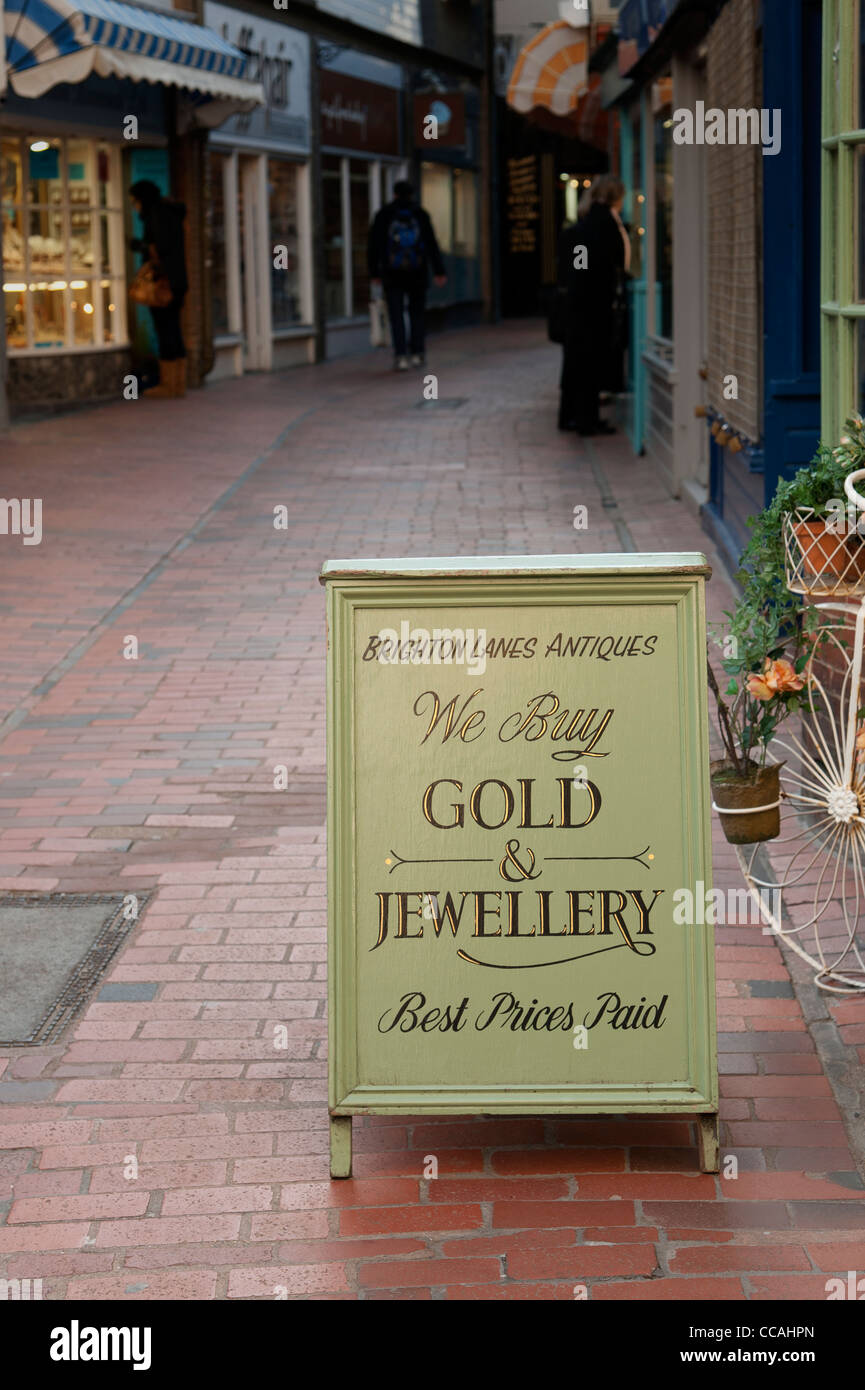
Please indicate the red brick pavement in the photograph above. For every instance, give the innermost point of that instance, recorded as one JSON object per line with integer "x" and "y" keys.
{"x": 157, "y": 774}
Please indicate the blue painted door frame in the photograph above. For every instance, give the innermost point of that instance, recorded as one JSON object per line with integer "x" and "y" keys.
{"x": 791, "y": 239}
{"x": 791, "y": 33}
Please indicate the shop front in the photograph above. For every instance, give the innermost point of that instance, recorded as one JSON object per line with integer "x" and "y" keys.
{"x": 259, "y": 205}
{"x": 90, "y": 106}
{"x": 361, "y": 105}
{"x": 445, "y": 125}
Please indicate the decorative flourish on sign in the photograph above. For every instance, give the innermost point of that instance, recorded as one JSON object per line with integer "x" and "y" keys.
{"x": 601, "y": 858}
{"x": 640, "y": 948}
{"x": 397, "y": 862}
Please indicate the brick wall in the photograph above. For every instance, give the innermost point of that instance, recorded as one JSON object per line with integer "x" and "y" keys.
{"x": 734, "y": 218}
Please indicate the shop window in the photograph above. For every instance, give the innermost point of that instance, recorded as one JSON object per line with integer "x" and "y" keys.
{"x": 465, "y": 213}
{"x": 218, "y": 256}
{"x": 360, "y": 220}
{"x": 282, "y": 198}
{"x": 334, "y": 270}
{"x": 663, "y": 118}
{"x": 437, "y": 198}
{"x": 63, "y": 247}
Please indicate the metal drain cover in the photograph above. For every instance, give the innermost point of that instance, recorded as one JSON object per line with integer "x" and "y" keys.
{"x": 54, "y": 948}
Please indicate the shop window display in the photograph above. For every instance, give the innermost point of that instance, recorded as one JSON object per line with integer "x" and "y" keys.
{"x": 283, "y": 217}
{"x": 334, "y": 276}
{"x": 63, "y": 250}
{"x": 215, "y": 212}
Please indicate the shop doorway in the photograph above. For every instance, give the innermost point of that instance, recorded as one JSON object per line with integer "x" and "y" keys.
{"x": 260, "y": 236}
{"x": 255, "y": 258}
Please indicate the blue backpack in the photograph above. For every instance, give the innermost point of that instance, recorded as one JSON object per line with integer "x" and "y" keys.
{"x": 405, "y": 248}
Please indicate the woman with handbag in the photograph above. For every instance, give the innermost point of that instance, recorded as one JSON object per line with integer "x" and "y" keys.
{"x": 595, "y": 255}
{"x": 161, "y": 283}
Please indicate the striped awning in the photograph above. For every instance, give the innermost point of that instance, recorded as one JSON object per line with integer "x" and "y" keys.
{"x": 51, "y": 41}
{"x": 552, "y": 72}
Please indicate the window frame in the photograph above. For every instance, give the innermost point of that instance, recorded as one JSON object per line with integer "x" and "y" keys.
{"x": 843, "y": 143}
{"x": 114, "y": 279}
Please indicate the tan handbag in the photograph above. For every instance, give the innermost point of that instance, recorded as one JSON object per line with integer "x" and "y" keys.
{"x": 150, "y": 288}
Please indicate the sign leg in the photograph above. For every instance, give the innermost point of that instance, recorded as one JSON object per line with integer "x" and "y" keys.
{"x": 710, "y": 1148}
{"x": 340, "y": 1146}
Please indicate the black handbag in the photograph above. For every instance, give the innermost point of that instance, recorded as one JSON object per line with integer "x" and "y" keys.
{"x": 558, "y": 316}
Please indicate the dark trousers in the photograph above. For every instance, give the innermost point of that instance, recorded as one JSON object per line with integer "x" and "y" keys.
{"x": 395, "y": 298}
{"x": 169, "y": 334}
{"x": 582, "y": 370}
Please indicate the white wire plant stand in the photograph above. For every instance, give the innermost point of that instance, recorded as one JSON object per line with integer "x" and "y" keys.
{"x": 809, "y": 883}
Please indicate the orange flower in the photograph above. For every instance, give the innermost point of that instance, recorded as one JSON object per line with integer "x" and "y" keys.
{"x": 759, "y": 688}
{"x": 778, "y": 678}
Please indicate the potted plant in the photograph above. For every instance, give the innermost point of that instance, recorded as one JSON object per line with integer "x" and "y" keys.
{"x": 745, "y": 785}
{"x": 823, "y": 550}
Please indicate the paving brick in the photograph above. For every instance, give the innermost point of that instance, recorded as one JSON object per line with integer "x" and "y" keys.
{"x": 513, "y": 1215}
{"x": 130, "y": 1287}
{"x": 168, "y": 1230}
{"x": 296, "y": 1280}
{"x": 184, "y": 1201}
{"x": 378, "y": 1220}
{"x": 564, "y": 1161}
{"x": 717, "y": 1290}
{"x": 510, "y": 1291}
{"x": 789, "y": 1288}
{"x": 428, "y": 1273}
{"x": 719, "y": 1259}
{"x": 483, "y": 1189}
{"x": 731, "y": 1216}
{"x": 583, "y": 1262}
{"x": 88, "y": 1206}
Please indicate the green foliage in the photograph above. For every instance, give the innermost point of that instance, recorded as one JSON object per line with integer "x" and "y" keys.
{"x": 769, "y": 623}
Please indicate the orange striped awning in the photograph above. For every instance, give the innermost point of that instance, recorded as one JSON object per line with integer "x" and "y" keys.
{"x": 552, "y": 71}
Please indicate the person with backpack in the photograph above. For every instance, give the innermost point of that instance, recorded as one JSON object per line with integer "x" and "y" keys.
{"x": 402, "y": 250}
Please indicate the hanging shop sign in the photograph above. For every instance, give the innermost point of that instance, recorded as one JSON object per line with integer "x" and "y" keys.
{"x": 358, "y": 115}
{"x": 517, "y": 779}
{"x": 279, "y": 58}
{"x": 440, "y": 120}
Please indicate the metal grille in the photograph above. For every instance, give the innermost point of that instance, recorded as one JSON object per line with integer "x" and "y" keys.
{"x": 120, "y": 918}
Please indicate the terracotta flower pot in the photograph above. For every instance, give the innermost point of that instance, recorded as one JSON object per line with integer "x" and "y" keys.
{"x": 825, "y": 551}
{"x": 760, "y": 788}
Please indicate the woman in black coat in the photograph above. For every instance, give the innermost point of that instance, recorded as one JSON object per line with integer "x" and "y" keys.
{"x": 162, "y": 244}
{"x": 594, "y": 256}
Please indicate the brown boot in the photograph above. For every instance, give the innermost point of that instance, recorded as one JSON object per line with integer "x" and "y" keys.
{"x": 164, "y": 391}
{"x": 179, "y": 381}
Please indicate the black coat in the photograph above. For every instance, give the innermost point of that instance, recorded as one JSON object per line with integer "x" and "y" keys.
{"x": 595, "y": 325}
{"x": 592, "y": 291}
{"x": 377, "y": 246}
{"x": 163, "y": 229}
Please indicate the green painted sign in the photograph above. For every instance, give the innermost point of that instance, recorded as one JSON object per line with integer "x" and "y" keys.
{"x": 517, "y": 787}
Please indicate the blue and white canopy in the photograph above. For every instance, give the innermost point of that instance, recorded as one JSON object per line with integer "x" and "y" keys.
{"x": 51, "y": 41}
